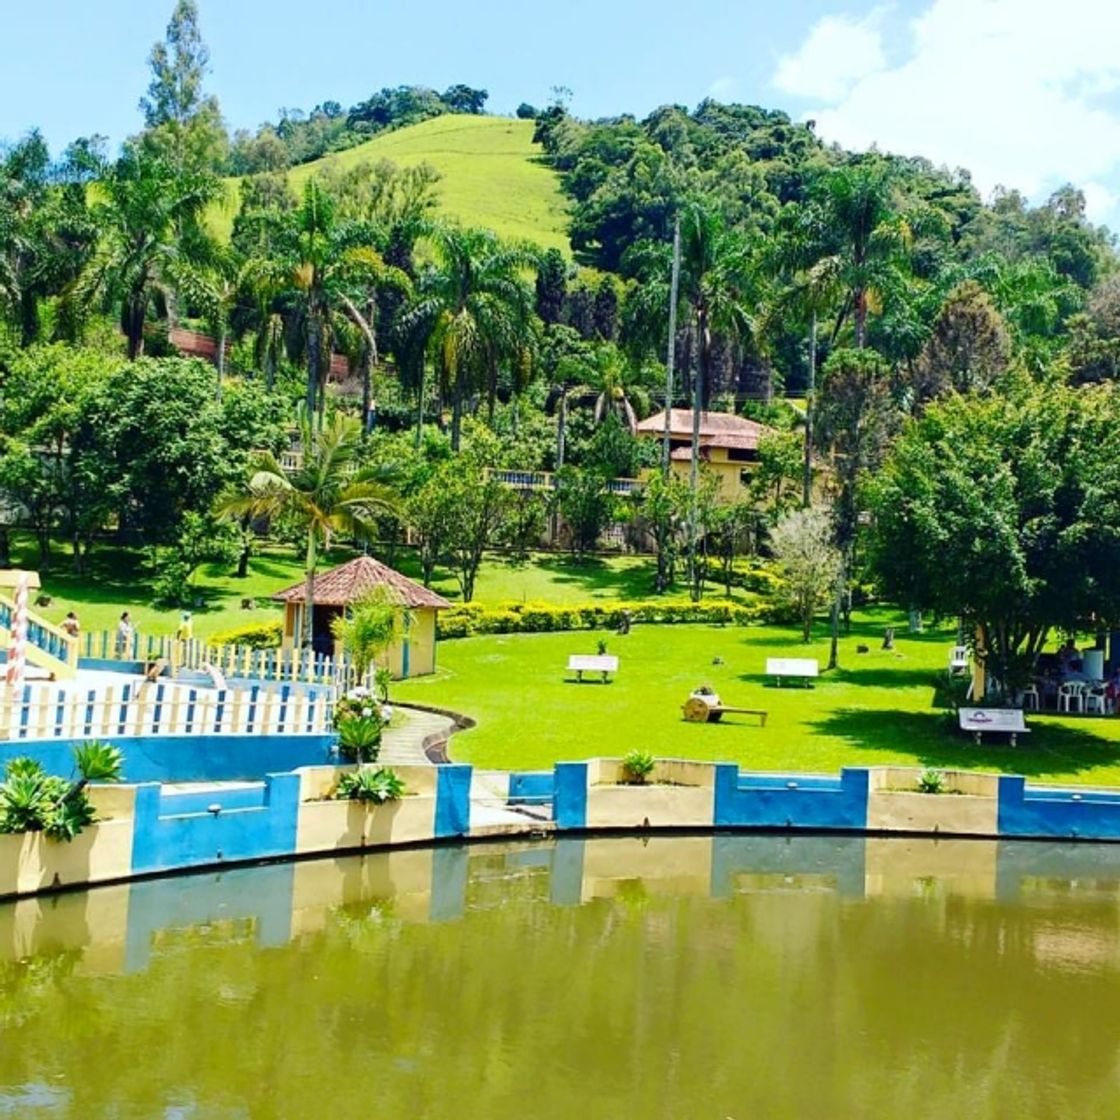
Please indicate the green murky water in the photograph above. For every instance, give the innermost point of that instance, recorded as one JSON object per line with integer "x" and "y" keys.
{"x": 677, "y": 978}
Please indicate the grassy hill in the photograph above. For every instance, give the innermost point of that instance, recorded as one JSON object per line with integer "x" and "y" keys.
{"x": 491, "y": 175}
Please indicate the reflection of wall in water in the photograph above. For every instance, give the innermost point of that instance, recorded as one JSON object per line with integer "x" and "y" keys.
{"x": 119, "y": 927}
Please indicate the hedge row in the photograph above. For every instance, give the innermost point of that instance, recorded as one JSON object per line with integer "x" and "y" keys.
{"x": 257, "y": 635}
{"x": 467, "y": 619}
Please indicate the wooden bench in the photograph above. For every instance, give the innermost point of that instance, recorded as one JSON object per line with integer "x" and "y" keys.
{"x": 1006, "y": 721}
{"x": 801, "y": 668}
{"x": 604, "y": 663}
{"x": 709, "y": 709}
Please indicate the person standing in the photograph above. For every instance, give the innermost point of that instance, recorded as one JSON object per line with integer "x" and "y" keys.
{"x": 124, "y": 635}
{"x": 71, "y": 626}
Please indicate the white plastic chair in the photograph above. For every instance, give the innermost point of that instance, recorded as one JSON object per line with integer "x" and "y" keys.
{"x": 1030, "y": 698}
{"x": 958, "y": 659}
{"x": 1094, "y": 700}
{"x": 1069, "y": 694}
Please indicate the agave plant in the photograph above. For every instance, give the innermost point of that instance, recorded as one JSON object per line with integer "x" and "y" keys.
{"x": 374, "y": 786}
{"x": 31, "y": 800}
{"x": 359, "y": 738}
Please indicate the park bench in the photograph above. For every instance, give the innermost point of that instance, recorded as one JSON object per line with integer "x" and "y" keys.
{"x": 1006, "y": 721}
{"x": 701, "y": 708}
{"x": 801, "y": 668}
{"x": 603, "y": 663}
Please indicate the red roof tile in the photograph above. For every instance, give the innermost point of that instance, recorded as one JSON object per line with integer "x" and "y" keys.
{"x": 343, "y": 585}
{"x": 717, "y": 429}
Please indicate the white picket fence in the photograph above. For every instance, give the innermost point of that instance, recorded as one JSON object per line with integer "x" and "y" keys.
{"x": 144, "y": 708}
{"x": 279, "y": 665}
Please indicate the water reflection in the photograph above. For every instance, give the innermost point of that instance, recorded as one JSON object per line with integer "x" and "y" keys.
{"x": 735, "y": 975}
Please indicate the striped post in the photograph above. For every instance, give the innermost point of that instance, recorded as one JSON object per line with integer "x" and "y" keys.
{"x": 17, "y": 647}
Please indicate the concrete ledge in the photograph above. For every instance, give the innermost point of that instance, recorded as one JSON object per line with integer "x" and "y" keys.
{"x": 967, "y": 806}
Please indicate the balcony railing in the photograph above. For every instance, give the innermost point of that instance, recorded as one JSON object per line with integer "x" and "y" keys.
{"x": 546, "y": 480}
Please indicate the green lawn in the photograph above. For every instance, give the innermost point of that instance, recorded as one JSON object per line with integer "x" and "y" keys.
{"x": 492, "y": 176}
{"x": 116, "y": 583}
{"x": 878, "y": 709}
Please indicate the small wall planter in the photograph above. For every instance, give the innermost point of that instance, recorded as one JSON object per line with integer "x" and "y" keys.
{"x": 967, "y": 806}
{"x": 676, "y": 794}
{"x": 340, "y": 825}
{"x": 30, "y": 862}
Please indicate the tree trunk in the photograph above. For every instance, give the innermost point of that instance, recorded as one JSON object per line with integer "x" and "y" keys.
{"x": 135, "y": 328}
{"x": 420, "y": 405}
{"x": 314, "y": 347}
{"x": 861, "y": 318}
{"x": 309, "y": 591}
{"x": 560, "y": 425}
{"x": 456, "y": 412}
{"x": 221, "y": 357}
{"x": 807, "y": 478}
{"x": 694, "y": 464}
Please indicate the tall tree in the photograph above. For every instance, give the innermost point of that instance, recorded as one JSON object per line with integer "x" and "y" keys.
{"x": 184, "y": 125}
{"x": 153, "y": 241}
{"x": 860, "y": 238}
{"x": 326, "y": 495}
{"x": 969, "y": 348}
{"x": 331, "y": 264}
{"x": 472, "y": 312}
{"x": 1004, "y": 510}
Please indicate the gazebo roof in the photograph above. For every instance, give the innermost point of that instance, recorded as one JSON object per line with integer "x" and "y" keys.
{"x": 342, "y": 586}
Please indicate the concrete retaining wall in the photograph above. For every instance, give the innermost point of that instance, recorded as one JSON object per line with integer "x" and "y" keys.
{"x": 149, "y": 829}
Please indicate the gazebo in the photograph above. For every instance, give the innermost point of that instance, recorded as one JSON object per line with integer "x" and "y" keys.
{"x": 335, "y": 590}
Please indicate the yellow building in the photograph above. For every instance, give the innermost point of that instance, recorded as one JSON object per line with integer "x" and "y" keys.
{"x": 335, "y": 590}
{"x": 728, "y": 445}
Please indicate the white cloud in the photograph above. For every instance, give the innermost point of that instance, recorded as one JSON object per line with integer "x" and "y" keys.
{"x": 1100, "y": 202}
{"x": 839, "y": 51}
{"x": 1014, "y": 90}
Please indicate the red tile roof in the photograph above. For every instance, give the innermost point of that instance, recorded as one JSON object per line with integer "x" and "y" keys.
{"x": 343, "y": 585}
{"x": 717, "y": 429}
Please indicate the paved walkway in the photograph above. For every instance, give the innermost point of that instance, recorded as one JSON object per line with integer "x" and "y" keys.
{"x": 404, "y": 745}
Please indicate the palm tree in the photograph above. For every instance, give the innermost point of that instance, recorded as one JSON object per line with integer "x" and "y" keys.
{"x": 472, "y": 311}
{"x": 855, "y": 239}
{"x": 326, "y": 495}
{"x": 153, "y": 241}
{"x": 619, "y": 387}
{"x": 331, "y": 264}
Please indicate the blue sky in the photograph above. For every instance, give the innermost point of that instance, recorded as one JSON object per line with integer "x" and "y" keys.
{"x": 1023, "y": 92}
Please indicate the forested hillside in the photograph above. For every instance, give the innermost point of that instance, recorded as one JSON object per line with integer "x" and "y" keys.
{"x": 500, "y": 291}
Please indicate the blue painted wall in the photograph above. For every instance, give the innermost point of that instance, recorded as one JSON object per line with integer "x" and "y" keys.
{"x": 188, "y": 758}
{"x": 453, "y": 800}
{"x": 569, "y": 808}
{"x": 790, "y": 800}
{"x": 165, "y": 842}
{"x": 1050, "y": 812}
{"x": 531, "y": 788}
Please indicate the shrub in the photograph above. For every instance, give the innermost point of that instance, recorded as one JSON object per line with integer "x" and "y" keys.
{"x": 257, "y": 635}
{"x": 931, "y": 781}
{"x": 374, "y": 786}
{"x": 637, "y": 767}
{"x": 359, "y": 737}
{"x": 534, "y": 618}
{"x": 31, "y": 800}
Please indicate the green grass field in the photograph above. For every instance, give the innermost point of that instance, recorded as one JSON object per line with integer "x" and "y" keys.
{"x": 116, "y": 584}
{"x": 880, "y": 708}
{"x": 491, "y": 176}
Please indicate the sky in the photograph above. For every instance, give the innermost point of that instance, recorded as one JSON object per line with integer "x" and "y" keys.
{"x": 1023, "y": 93}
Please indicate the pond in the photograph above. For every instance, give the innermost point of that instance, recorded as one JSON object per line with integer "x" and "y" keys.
{"x": 686, "y": 977}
